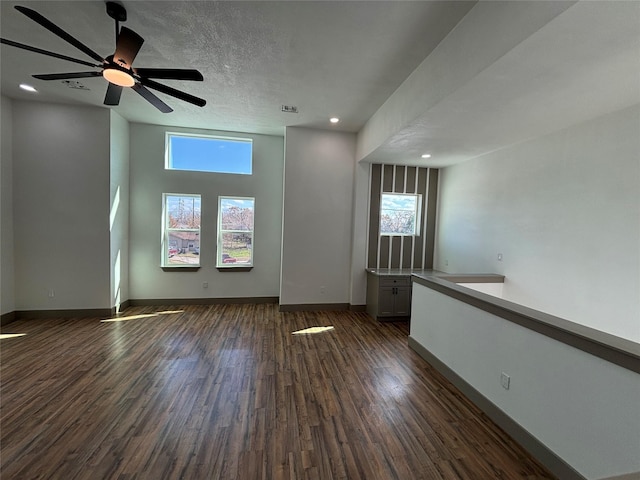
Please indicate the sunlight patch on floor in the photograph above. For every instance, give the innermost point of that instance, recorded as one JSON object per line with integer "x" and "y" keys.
{"x": 142, "y": 315}
{"x": 11, "y": 335}
{"x": 312, "y": 330}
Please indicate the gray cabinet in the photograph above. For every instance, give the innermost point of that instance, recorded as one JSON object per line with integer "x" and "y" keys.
{"x": 388, "y": 296}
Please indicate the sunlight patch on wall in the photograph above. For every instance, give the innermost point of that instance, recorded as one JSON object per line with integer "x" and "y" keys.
{"x": 114, "y": 208}
{"x": 116, "y": 283}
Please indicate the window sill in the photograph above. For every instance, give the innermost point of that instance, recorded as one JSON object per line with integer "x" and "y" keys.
{"x": 235, "y": 269}
{"x": 180, "y": 268}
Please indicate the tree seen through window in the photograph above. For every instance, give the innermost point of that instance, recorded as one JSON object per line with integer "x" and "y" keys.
{"x": 400, "y": 214}
{"x": 181, "y": 239}
{"x": 235, "y": 231}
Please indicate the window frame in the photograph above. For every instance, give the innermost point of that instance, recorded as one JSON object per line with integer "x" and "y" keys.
{"x": 417, "y": 213}
{"x": 221, "y": 231}
{"x": 168, "y": 158}
{"x": 165, "y": 243}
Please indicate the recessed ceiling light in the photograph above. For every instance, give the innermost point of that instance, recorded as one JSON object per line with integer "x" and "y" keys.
{"x": 334, "y": 119}
{"x": 28, "y": 88}
{"x": 426, "y": 155}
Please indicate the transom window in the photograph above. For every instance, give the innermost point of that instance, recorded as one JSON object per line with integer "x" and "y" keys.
{"x": 235, "y": 232}
{"x": 400, "y": 214}
{"x": 202, "y": 153}
{"x": 181, "y": 230}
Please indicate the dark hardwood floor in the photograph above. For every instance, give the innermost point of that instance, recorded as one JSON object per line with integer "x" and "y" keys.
{"x": 228, "y": 391}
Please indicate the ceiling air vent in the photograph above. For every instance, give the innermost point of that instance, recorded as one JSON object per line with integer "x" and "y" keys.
{"x": 289, "y": 109}
{"x": 74, "y": 84}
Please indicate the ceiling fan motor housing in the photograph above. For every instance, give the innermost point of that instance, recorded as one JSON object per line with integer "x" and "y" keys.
{"x": 116, "y": 11}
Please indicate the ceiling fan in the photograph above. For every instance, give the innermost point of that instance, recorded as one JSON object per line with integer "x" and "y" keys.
{"x": 117, "y": 68}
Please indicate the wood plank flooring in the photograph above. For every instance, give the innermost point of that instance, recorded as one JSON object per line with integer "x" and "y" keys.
{"x": 229, "y": 392}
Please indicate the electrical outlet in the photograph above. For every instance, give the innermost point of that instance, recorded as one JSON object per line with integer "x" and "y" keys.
{"x": 499, "y": 257}
{"x": 205, "y": 284}
{"x": 446, "y": 263}
{"x": 51, "y": 293}
{"x": 505, "y": 381}
{"x": 322, "y": 289}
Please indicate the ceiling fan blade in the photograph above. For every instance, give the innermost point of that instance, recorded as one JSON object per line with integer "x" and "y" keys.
{"x": 152, "y": 99}
{"x": 173, "y": 92}
{"x": 36, "y": 17}
{"x": 46, "y": 52}
{"x": 65, "y": 76}
{"x": 113, "y": 94}
{"x": 170, "y": 74}
{"x": 127, "y": 47}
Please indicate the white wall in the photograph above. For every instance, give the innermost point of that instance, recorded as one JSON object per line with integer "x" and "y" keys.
{"x": 119, "y": 209}
{"x": 360, "y": 236}
{"x": 564, "y": 210}
{"x": 494, "y": 289}
{"x": 149, "y": 180}
{"x": 317, "y": 226}
{"x": 61, "y": 206}
{"x": 7, "y": 290}
{"x": 582, "y": 407}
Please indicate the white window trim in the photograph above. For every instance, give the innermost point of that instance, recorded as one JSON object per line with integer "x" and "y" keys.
{"x": 219, "y": 263}
{"x": 164, "y": 247}
{"x": 418, "y": 214}
{"x": 167, "y": 150}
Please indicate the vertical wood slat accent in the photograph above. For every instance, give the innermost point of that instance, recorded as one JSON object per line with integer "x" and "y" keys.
{"x": 396, "y": 243}
{"x": 379, "y": 242}
{"x": 404, "y": 185}
{"x": 403, "y": 252}
{"x": 374, "y": 215}
{"x": 431, "y": 216}
{"x": 402, "y": 242}
{"x": 411, "y": 179}
{"x": 408, "y": 252}
{"x": 425, "y": 197}
{"x": 413, "y": 239}
{"x": 419, "y": 244}
{"x": 385, "y": 245}
{"x": 387, "y": 184}
{"x": 393, "y": 178}
{"x": 398, "y": 187}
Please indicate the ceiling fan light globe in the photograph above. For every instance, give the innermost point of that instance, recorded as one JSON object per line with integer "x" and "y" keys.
{"x": 118, "y": 77}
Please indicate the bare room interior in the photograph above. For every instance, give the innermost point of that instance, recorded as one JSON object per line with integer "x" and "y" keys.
{"x": 320, "y": 239}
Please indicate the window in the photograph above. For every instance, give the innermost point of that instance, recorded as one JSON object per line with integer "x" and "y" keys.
{"x": 202, "y": 153}
{"x": 181, "y": 230}
{"x": 235, "y": 232}
{"x": 400, "y": 214}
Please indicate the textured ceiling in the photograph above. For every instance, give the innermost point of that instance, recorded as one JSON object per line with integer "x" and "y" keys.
{"x": 558, "y": 63}
{"x": 329, "y": 59}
